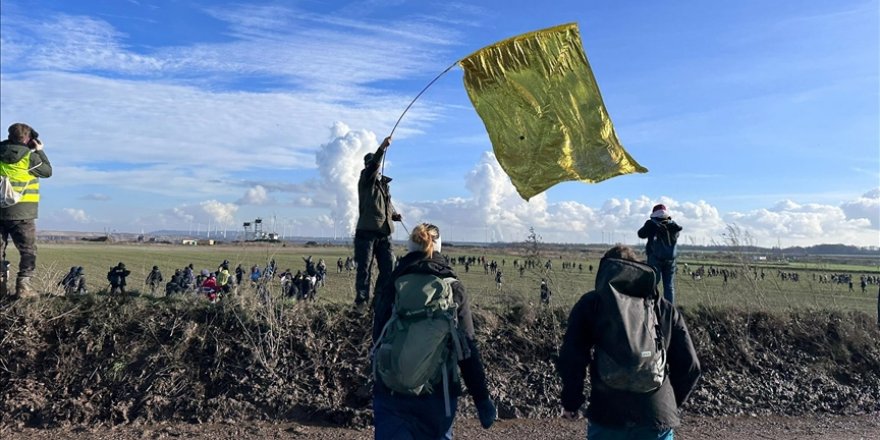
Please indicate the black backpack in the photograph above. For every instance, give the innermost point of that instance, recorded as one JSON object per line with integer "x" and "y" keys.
{"x": 113, "y": 276}
{"x": 663, "y": 246}
{"x": 630, "y": 353}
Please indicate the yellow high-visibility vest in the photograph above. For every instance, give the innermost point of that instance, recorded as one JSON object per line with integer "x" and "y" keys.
{"x": 223, "y": 277}
{"x": 22, "y": 180}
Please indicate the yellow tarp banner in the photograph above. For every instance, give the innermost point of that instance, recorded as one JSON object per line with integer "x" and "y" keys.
{"x": 541, "y": 106}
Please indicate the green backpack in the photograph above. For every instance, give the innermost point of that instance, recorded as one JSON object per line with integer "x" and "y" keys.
{"x": 420, "y": 345}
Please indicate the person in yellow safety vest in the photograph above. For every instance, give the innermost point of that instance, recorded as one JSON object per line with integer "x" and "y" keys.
{"x": 224, "y": 278}
{"x": 22, "y": 163}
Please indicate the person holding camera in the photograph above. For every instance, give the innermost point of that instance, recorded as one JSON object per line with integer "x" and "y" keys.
{"x": 22, "y": 163}
{"x": 372, "y": 237}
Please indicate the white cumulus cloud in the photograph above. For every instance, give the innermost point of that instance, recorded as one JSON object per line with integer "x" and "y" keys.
{"x": 340, "y": 162}
{"x": 795, "y": 224}
{"x": 865, "y": 207}
{"x": 222, "y": 213}
{"x": 74, "y": 215}
{"x": 209, "y": 212}
{"x": 255, "y": 196}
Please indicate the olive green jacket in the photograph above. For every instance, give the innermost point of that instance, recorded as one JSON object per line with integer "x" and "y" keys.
{"x": 374, "y": 199}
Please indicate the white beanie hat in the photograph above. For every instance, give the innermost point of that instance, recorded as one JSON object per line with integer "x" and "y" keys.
{"x": 660, "y": 211}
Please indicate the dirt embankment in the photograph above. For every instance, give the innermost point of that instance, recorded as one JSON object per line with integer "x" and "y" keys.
{"x": 95, "y": 361}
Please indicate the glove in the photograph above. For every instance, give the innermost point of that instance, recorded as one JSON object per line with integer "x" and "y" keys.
{"x": 396, "y": 217}
{"x": 487, "y": 413}
{"x": 38, "y": 145}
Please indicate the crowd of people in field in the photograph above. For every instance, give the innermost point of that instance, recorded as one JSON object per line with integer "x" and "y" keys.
{"x": 304, "y": 283}
{"x": 210, "y": 283}
{"x": 847, "y": 279}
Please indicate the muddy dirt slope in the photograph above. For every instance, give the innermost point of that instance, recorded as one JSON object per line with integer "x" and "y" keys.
{"x": 93, "y": 361}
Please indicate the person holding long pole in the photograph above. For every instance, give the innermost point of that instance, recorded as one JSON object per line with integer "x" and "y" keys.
{"x": 372, "y": 238}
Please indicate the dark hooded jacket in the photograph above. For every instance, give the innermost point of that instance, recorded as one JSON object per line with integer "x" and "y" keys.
{"x": 649, "y": 230}
{"x": 12, "y": 152}
{"x": 374, "y": 199}
{"x": 117, "y": 275}
{"x": 472, "y": 371}
{"x": 614, "y": 408}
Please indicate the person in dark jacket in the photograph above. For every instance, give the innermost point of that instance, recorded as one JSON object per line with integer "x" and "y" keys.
{"x": 23, "y": 162}
{"x": 614, "y": 413}
{"x": 74, "y": 282}
{"x": 173, "y": 286}
{"x": 189, "y": 278}
{"x": 664, "y": 264}
{"x": 399, "y": 416}
{"x": 545, "y": 292}
{"x": 239, "y": 274}
{"x": 154, "y": 280}
{"x": 116, "y": 277}
{"x": 69, "y": 276}
{"x": 372, "y": 237}
{"x": 77, "y": 284}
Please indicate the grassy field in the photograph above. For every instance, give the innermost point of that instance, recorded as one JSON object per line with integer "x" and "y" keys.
{"x": 54, "y": 260}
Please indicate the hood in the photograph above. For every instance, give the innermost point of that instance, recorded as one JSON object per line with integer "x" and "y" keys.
{"x": 415, "y": 262}
{"x": 630, "y": 278}
{"x": 11, "y": 152}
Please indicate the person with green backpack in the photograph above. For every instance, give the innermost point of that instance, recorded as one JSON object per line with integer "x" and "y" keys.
{"x": 424, "y": 343}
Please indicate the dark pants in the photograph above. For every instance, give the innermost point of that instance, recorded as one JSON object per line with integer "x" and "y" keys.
{"x": 666, "y": 270}
{"x": 24, "y": 236}
{"x": 399, "y": 417}
{"x": 367, "y": 246}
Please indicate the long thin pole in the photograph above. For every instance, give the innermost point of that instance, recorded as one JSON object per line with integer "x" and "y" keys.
{"x": 413, "y": 102}
{"x": 419, "y": 95}
{"x": 401, "y": 118}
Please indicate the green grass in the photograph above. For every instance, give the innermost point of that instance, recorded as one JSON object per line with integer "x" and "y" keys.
{"x": 54, "y": 260}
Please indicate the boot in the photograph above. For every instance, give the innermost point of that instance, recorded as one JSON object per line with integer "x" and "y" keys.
{"x": 23, "y": 288}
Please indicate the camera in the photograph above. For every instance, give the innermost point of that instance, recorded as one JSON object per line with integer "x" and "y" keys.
{"x": 34, "y": 139}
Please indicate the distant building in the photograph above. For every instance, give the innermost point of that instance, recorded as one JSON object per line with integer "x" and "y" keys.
{"x": 188, "y": 242}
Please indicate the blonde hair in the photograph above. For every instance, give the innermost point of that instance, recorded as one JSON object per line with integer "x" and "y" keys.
{"x": 425, "y": 235}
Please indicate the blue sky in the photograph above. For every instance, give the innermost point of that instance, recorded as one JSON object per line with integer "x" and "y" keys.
{"x": 180, "y": 114}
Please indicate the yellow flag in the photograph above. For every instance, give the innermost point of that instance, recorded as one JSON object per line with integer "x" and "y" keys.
{"x": 541, "y": 106}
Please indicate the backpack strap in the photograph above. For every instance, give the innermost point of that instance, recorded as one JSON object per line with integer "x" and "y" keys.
{"x": 446, "y": 397}
{"x": 461, "y": 349}
{"x": 456, "y": 341}
{"x": 660, "y": 338}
